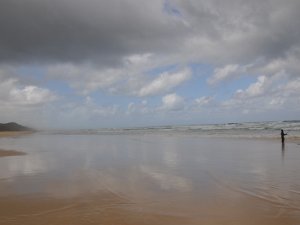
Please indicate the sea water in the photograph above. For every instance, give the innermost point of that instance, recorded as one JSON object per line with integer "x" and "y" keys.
{"x": 270, "y": 129}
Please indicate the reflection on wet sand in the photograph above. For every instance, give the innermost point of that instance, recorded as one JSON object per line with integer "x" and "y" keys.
{"x": 282, "y": 151}
{"x": 14, "y": 134}
{"x": 5, "y": 153}
{"x": 136, "y": 179}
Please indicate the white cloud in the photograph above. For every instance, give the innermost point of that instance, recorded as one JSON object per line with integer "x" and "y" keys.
{"x": 31, "y": 95}
{"x": 255, "y": 89}
{"x": 139, "y": 108}
{"x": 14, "y": 94}
{"x": 221, "y": 74}
{"x": 127, "y": 80}
{"x": 172, "y": 102}
{"x": 165, "y": 82}
{"x": 22, "y": 102}
{"x": 232, "y": 71}
{"x": 266, "y": 94}
{"x": 204, "y": 100}
{"x": 124, "y": 78}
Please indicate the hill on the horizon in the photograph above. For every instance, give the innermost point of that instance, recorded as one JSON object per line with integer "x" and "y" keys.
{"x": 13, "y": 127}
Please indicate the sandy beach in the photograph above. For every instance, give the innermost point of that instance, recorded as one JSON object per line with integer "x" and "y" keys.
{"x": 5, "y": 153}
{"x": 149, "y": 179}
{"x": 14, "y": 133}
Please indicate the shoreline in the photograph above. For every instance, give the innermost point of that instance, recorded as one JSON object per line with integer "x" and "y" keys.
{"x": 269, "y": 137}
{"x": 14, "y": 133}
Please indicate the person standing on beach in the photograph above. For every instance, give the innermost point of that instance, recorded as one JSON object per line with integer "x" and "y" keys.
{"x": 282, "y": 136}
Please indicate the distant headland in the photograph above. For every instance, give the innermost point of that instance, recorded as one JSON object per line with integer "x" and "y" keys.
{"x": 12, "y": 126}
{"x": 13, "y": 130}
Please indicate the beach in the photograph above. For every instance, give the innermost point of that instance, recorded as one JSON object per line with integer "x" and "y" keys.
{"x": 12, "y": 134}
{"x": 5, "y": 153}
{"x": 148, "y": 178}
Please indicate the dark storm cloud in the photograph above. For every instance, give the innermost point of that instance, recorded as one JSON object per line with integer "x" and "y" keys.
{"x": 73, "y": 30}
{"x": 246, "y": 29}
{"x": 106, "y": 31}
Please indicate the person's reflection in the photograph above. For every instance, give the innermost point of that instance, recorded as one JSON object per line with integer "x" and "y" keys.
{"x": 282, "y": 150}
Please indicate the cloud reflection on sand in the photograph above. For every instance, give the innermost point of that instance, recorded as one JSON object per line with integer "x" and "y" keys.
{"x": 25, "y": 165}
{"x": 167, "y": 181}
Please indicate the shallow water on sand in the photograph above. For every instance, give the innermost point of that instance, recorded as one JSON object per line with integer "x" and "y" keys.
{"x": 148, "y": 179}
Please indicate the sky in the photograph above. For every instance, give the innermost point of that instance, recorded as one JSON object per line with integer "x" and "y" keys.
{"x": 68, "y": 64}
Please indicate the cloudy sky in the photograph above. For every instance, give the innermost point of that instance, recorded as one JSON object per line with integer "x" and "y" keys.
{"x": 122, "y": 63}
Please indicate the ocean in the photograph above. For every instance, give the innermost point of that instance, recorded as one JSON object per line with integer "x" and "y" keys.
{"x": 270, "y": 129}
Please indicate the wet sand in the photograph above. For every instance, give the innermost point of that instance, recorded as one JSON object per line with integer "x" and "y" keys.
{"x": 14, "y": 133}
{"x": 107, "y": 209}
{"x": 149, "y": 179}
{"x": 5, "y": 153}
